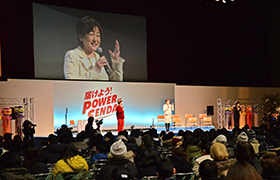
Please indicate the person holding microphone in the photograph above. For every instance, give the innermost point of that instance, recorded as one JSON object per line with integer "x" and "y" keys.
{"x": 168, "y": 108}
{"x": 120, "y": 115}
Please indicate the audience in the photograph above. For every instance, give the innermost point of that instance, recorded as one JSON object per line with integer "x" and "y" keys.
{"x": 191, "y": 151}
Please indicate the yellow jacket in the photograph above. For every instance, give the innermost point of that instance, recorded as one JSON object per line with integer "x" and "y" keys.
{"x": 77, "y": 163}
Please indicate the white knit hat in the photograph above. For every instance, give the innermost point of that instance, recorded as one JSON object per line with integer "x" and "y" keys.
{"x": 118, "y": 149}
{"x": 221, "y": 138}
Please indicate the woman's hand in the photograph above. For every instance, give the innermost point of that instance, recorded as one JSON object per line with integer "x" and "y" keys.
{"x": 100, "y": 63}
{"x": 116, "y": 53}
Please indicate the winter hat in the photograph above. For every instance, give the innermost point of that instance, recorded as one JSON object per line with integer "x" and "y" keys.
{"x": 242, "y": 137}
{"x": 263, "y": 146}
{"x": 221, "y": 138}
{"x": 118, "y": 149}
{"x": 218, "y": 152}
{"x": 251, "y": 135}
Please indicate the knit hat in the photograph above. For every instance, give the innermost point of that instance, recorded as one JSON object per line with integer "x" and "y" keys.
{"x": 118, "y": 149}
{"x": 218, "y": 152}
{"x": 221, "y": 138}
{"x": 251, "y": 135}
{"x": 242, "y": 137}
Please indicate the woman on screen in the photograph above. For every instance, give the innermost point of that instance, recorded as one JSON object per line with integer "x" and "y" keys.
{"x": 167, "y": 108}
{"x": 84, "y": 62}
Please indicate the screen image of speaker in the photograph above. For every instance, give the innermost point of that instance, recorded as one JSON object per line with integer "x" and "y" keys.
{"x": 210, "y": 110}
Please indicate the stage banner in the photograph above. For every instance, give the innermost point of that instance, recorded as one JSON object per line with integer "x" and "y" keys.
{"x": 79, "y": 100}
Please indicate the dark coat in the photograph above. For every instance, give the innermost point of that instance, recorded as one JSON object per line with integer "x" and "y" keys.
{"x": 106, "y": 171}
{"x": 51, "y": 154}
{"x": 181, "y": 165}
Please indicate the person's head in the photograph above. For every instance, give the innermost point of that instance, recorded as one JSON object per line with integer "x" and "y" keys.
{"x": 221, "y": 139}
{"x": 243, "y": 170}
{"x": 90, "y": 120}
{"x": 8, "y": 137}
{"x": 108, "y": 136}
{"x": 147, "y": 141}
{"x": 165, "y": 168}
{"x": 81, "y": 136}
{"x": 244, "y": 151}
{"x": 52, "y": 139}
{"x": 153, "y": 133}
{"x": 218, "y": 152}
{"x": 120, "y": 102}
{"x": 167, "y": 101}
{"x": 181, "y": 133}
{"x": 208, "y": 170}
{"x": 101, "y": 148}
{"x": 251, "y": 135}
{"x": 237, "y": 103}
{"x": 89, "y": 33}
{"x": 162, "y": 133}
{"x": 205, "y": 148}
{"x": 67, "y": 150}
{"x": 242, "y": 137}
{"x": 118, "y": 149}
{"x": 181, "y": 152}
{"x": 270, "y": 163}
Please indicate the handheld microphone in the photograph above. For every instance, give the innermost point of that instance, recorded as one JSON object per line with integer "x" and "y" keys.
{"x": 108, "y": 69}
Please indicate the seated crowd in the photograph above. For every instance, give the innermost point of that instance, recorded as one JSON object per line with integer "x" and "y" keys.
{"x": 216, "y": 154}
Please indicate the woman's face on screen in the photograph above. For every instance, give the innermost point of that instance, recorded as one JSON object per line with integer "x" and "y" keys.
{"x": 92, "y": 40}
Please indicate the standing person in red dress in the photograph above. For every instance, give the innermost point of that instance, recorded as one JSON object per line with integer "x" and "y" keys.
{"x": 120, "y": 115}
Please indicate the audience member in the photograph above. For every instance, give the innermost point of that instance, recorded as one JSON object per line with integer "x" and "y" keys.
{"x": 118, "y": 151}
{"x": 165, "y": 169}
{"x": 32, "y": 161}
{"x": 230, "y": 147}
{"x": 245, "y": 152}
{"x": 69, "y": 161}
{"x": 205, "y": 155}
{"x": 271, "y": 167}
{"x": 208, "y": 170}
{"x": 180, "y": 160}
{"x": 100, "y": 152}
{"x": 218, "y": 152}
{"x": 109, "y": 140}
{"x": 252, "y": 140}
{"x": 51, "y": 153}
{"x": 146, "y": 160}
{"x": 242, "y": 171}
{"x": 242, "y": 137}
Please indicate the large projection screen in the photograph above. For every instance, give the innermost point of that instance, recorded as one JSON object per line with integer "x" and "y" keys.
{"x": 55, "y": 34}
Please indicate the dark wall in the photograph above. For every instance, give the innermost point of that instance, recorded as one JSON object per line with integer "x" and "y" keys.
{"x": 189, "y": 42}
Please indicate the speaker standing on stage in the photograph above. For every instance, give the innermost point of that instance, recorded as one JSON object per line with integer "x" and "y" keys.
{"x": 120, "y": 115}
{"x": 236, "y": 115}
{"x": 167, "y": 108}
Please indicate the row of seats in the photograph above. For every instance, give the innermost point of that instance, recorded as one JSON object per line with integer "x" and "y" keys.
{"x": 190, "y": 120}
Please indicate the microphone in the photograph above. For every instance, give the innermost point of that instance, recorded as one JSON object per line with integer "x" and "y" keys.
{"x": 108, "y": 69}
